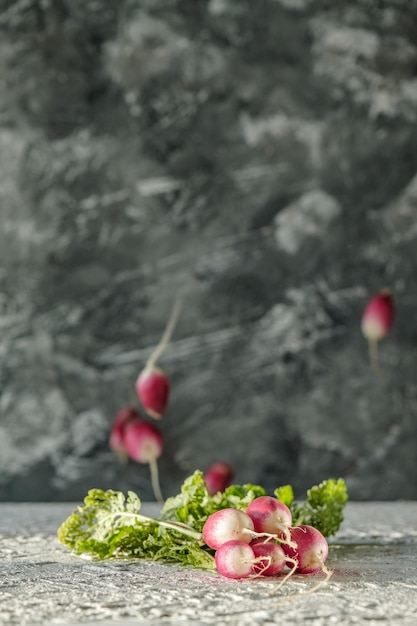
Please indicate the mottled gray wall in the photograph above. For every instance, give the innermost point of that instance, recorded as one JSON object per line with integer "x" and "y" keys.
{"x": 260, "y": 159}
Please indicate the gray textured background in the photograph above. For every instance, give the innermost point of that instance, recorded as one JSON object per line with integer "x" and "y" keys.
{"x": 260, "y": 159}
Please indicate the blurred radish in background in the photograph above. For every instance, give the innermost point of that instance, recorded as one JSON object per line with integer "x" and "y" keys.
{"x": 218, "y": 477}
{"x": 144, "y": 444}
{"x": 117, "y": 432}
{"x": 153, "y": 384}
{"x": 377, "y": 321}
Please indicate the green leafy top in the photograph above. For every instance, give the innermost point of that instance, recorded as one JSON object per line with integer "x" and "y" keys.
{"x": 110, "y": 524}
{"x": 323, "y": 507}
{"x": 193, "y": 505}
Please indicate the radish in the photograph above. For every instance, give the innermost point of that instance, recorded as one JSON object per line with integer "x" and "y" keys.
{"x": 153, "y": 389}
{"x": 235, "y": 559}
{"x": 377, "y": 320}
{"x": 311, "y": 549}
{"x": 271, "y": 558}
{"x": 116, "y": 438}
{"x": 218, "y": 477}
{"x": 144, "y": 444}
{"x": 238, "y": 559}
{"x": 152, "y": 384}
{"x": 270, "y": 515}
{"x": 225, "y": 525}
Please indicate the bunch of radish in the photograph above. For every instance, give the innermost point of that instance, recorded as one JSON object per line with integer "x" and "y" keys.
{"x": 261, "y": 541}
{"x": 132, "y": 436}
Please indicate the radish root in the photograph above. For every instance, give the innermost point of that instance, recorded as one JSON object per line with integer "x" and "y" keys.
{"x": 272, "y": 537}
{"x": 328, "y": 574}
{"x": 283, "y": 580}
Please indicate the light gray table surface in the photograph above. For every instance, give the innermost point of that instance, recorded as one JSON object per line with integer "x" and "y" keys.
{"x": 374, "y": 559}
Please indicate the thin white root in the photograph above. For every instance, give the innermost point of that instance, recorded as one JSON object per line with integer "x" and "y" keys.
{"x": 328, "y": 574}
{"x": 271, "y": 537}
{"x": 166, "y": 336}
{"x": 289, "y": 574}
{"x": 153, "y": 466}
{"x": 260, "y": 559}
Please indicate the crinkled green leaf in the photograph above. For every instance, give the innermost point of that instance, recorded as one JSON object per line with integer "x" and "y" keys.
{"x": 110, "y": 525}
{"x": 285, "y": 494}
{"x": 193, "y": 505}
{"x": 323, "y": 507}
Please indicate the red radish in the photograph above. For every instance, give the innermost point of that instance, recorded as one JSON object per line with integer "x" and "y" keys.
{"x": 269, "y": 515}
{"x": 311, "y": 549}
{"x": 235, "y": 559}
{"x": 225, "y": 525}
{"x": 153, "y": 385}
{"x": 271, "y": 558}
{"x": 218, "y": 477}
{"x": 144, "y": 444}
{"x": 377, "y": 321}
{"x": 116, "y": 438}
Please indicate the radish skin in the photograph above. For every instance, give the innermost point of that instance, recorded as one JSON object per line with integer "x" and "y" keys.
{"x": 226, "y": 525}
{"x": 117, "y": 432}
{"x": 152, "y": 387}
{"x": 271, "y": 558}
{"x": 269, "y": 515}
{"x": 235, "y": 559}
{"x": 218, "y": 477}
{"x": 144, "y": 444}
{"x": 311, "y": 549}
{"x": 376, "y": 323}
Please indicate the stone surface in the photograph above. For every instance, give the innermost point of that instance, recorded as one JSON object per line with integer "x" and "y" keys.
{"x": 260, "y": 160}
{"x": 374, "y": 558}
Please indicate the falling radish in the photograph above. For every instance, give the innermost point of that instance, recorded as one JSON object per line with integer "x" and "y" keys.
{"x": 144, "y": 444}
{"x": 377, "y": 321}
{"x": 218, "y": 477}
{"x": 152, "y": 385}
{"x": 117, "y": 432}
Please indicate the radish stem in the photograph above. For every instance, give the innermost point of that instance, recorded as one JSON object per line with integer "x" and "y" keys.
{"x": 166, "y": 336}
{"x": 172, "y": 525}
{"x": 153, "y": 466}
{"x": 373, "y": 354}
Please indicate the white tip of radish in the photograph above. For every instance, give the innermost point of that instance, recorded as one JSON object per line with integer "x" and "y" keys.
{"x": 234, "y": 559}
{"x": 225, "y": 525}
{"x": 143, "y": 441}
{"x": 378, "y": 316}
